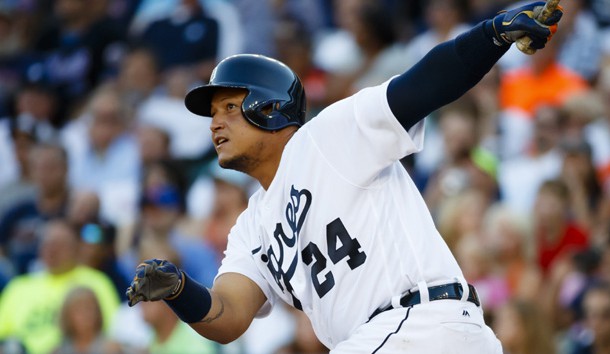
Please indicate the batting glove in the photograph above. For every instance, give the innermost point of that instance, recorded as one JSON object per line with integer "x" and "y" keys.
{"x": 514, "y": 24}
{"x": 155, "y": 280}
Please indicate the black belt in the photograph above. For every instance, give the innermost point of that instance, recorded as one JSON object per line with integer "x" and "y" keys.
{"x": 440, "y": 292}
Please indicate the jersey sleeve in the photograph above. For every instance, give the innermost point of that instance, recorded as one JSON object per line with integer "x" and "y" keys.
{"x": 239, "y": 258}
{"x": 359, "y": 136}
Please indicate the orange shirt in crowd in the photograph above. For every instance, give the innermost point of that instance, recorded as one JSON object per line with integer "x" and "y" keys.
{"x": 525, "y": 90}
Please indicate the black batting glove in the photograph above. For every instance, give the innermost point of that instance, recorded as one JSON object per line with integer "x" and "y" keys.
{"x": 155, "y": 280}
{"x": 514, "y": 24}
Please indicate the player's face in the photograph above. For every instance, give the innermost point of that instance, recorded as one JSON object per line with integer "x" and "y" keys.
{"x": 240, "y": 145}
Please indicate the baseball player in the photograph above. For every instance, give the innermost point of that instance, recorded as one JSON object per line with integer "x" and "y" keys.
{"x": 338, "y": 229}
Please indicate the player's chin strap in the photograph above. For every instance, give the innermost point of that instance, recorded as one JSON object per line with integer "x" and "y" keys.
{"x": 465, "y": 288}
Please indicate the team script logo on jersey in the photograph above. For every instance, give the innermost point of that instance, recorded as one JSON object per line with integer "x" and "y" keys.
{"x": 282, "y": 257}
{"x": 280, "y": 267}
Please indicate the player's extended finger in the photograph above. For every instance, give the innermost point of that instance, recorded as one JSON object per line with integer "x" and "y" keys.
{"x": 135, "y": 288}
{"x": 133, "y": 300}
{"x": 131, "y": 296}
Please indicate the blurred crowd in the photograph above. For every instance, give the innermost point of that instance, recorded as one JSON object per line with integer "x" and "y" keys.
{"x": 102, "y": 166}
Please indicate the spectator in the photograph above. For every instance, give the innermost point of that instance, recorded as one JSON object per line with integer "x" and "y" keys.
{"x": 479, "y": 268}
{"x": 18, "y": 182}
{"x": 105, "y": 157}
{"x": 31, "y": 303}
{"x": 12, "y": 36}
{"x": 189, "y": 135}
{"x": 76, "y": 50}
{"x": 20, "y": 224}
{"x": 581, "y": 51}
{"x": 192, "y": 33}
{"x": 543, "y": 81}
{"x": 98, "y": 238}
{"x": 520, "y": 177}
{"x": 582, "y": 111}
{"x": 37, "y": 106}
{"x": 81, "y": 323}
{"x": 557, "y": 236}
{"x": 154, "y": 144}
{"x": 523, "y": 328}
{"x": 34, "y": 113}
{"x": 83, "y": 208}
{"x": 97, "y": 250}
{"x": 138, "y": 77}
{"x": 256, "y": 22}
{"x": 466, "y": 164}
{"x": 580, "y": 176}
{"x": 382, "y": 57}
{"x": 507, "y": 237}
{"x": 567, "y": 286}
{"x": 336, "y": 50}
{"x": 231, "y": 22}
{"x": 593, "y": 336}
{"x": 461, "y": 216}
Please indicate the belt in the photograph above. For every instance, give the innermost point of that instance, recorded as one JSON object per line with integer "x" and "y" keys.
{"x": 441, "y": 292}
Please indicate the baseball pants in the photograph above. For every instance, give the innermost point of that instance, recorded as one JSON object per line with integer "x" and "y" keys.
{"x": 440, "y": 327}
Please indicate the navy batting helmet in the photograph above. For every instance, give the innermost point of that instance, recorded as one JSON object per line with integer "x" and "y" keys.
{"x": 275, "y": 98}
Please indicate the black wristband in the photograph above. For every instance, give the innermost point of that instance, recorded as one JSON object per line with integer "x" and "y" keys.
{"x": 193, "y": 303}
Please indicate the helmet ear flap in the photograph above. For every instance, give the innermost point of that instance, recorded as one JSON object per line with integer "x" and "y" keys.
{"x": 269, "y": 107}
{"x": 276, "y": 97}
{"x": 264, "y": 111}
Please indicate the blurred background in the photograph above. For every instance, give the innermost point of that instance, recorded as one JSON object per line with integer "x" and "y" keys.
{"x": 101, "y": 165}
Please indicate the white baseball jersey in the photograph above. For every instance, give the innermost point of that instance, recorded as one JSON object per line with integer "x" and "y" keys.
{"x": 342, "y": 228}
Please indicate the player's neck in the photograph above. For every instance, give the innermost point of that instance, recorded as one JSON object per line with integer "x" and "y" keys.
{"x": 265, "y": 172}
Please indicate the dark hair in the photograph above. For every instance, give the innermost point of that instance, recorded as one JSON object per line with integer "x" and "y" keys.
{"x": 379, "y": 22}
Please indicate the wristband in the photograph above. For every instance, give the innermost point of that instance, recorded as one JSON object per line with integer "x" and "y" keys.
{"x": 191, "y": 304}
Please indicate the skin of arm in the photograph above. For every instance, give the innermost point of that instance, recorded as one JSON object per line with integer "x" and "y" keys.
{"x": 235, "y": 301}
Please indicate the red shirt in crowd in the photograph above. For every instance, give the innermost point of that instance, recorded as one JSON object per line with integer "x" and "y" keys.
{"x": 573, "y": 239}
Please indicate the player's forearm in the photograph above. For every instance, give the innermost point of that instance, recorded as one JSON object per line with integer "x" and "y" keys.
{"x": 235, "y": 300}
{"x": 443, "y": 75}
{"x": 223, "y": 324}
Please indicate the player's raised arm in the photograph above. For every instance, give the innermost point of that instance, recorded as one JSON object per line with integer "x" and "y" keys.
{"x": 454, "y": 67}
{"x": 222, "y": 313}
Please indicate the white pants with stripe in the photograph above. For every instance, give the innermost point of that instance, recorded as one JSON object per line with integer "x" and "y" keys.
{"x": 439, "y": 327}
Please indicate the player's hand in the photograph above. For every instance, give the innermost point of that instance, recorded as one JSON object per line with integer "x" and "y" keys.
{"x": 514, "y": 24}
{"x": 155, "y": 280}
